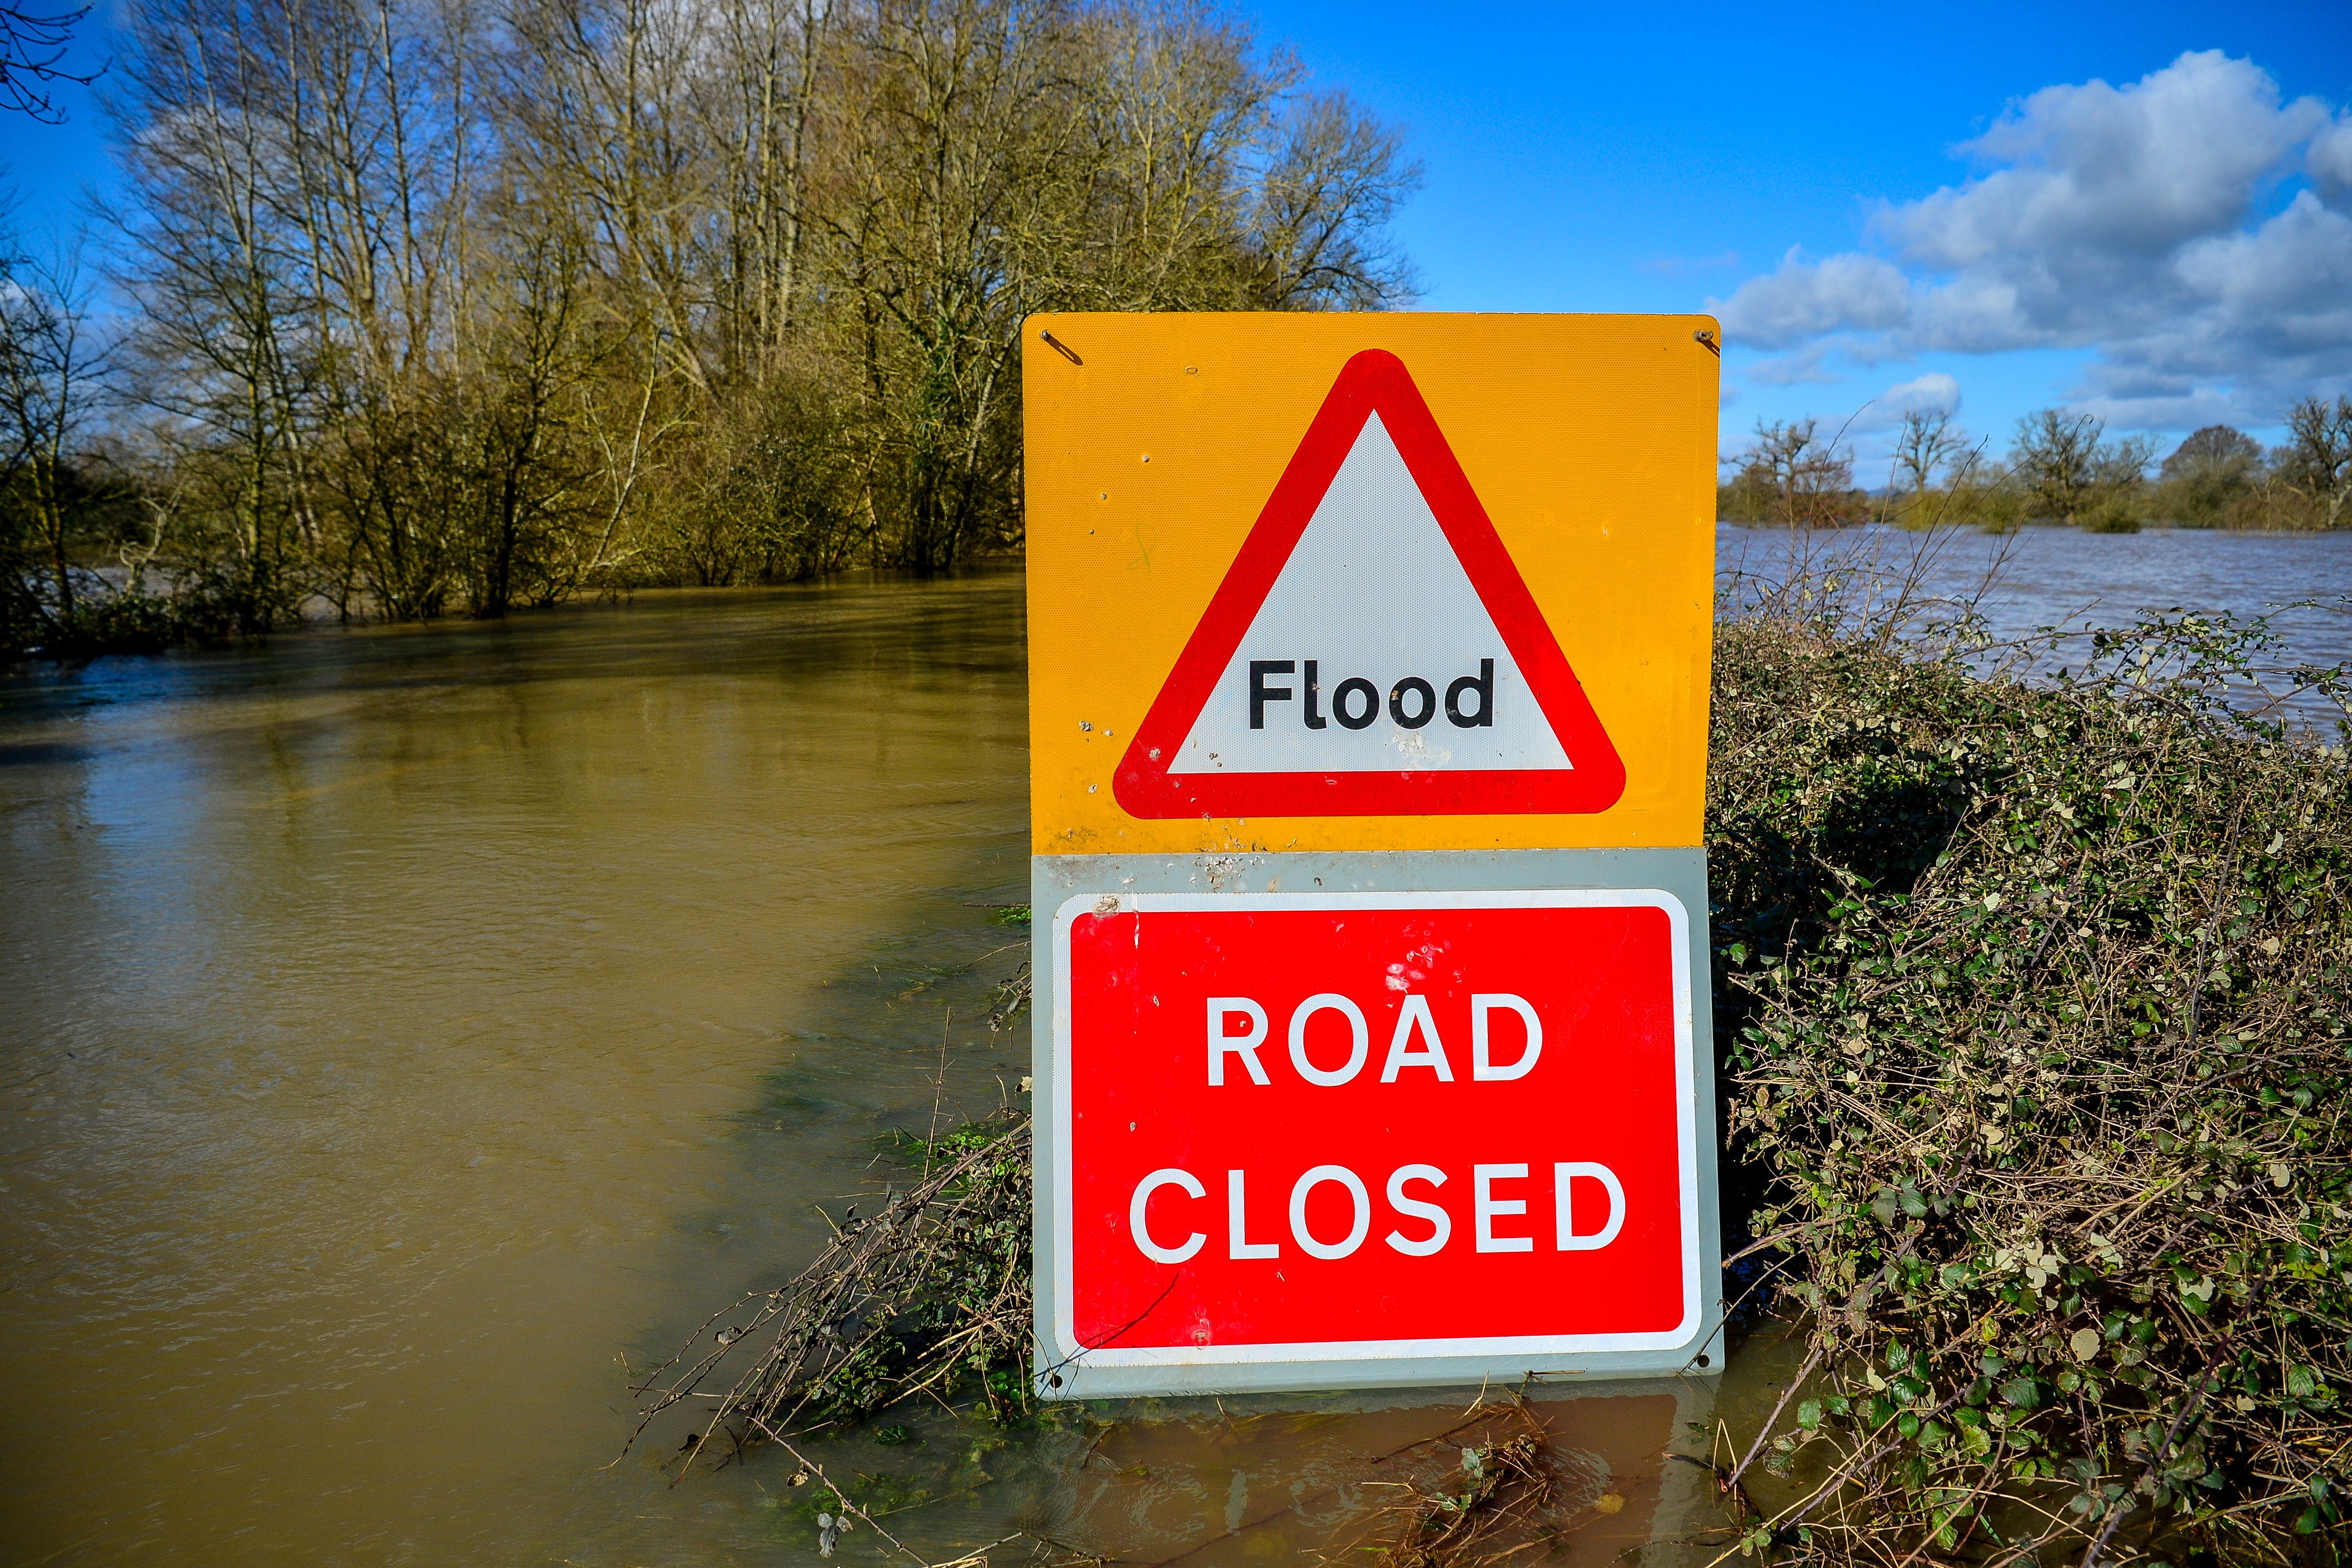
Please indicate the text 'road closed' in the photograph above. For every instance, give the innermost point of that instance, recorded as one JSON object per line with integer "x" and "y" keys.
{"x": 1373, "y": 1119}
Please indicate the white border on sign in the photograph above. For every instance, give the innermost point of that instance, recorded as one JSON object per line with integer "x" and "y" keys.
{"x": 1064, "y": 1287}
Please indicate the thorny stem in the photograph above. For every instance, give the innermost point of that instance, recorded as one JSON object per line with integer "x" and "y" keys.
{"x": 1773, "y": 1420}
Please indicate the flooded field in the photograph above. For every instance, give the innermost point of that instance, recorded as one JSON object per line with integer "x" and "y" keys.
{"x": 2036, "y": 581}
{"x": 411, "y": 1032}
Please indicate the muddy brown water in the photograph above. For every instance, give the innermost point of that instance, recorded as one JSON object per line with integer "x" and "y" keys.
{"x": 409, "y": 1031}
{"x": 406, "y": 1033}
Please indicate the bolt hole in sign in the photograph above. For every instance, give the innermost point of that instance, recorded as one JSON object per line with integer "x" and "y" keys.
{"x": 1368, "y": 1126}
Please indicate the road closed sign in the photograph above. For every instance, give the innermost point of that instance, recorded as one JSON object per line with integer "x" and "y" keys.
{"x": 1368, "y": 662}
{"x": 1383, "y": 1128}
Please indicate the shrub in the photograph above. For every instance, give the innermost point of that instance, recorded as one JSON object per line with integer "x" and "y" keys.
{"x": 927, "y": 1294}
{"x": 2117, "y": 512}
{"x": 2034, "y": 1008}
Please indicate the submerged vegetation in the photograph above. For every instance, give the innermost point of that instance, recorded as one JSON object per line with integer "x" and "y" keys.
{"x": 926, "y": 1296}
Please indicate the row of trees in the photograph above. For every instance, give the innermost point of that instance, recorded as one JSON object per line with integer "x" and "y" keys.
{"x": 2060, "y": 467}
{"x": 438, "y": 306}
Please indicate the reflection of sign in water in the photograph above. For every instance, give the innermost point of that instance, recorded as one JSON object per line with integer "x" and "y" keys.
{"x": 1275, "y": 1487}
{"x": 1378, "y": 1125}
{"x": 1372, "y": 650}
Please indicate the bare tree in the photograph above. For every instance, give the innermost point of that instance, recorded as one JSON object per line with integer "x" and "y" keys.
{"x": 603, "y": 93}
{"x": 757, "y": 104}
{"x": 2317, "y": 462}
{"x": 2070, "y": 474}
{"x": 1793, "y": 478}
{"x": 53, "y": 363}
{"x": 1925, "y": 442}
{"x": 239, "y": 334}
{"x": 1317, "y": 236}
{"x": 32, "y": 43}
{"x": 992, "y": 158}
{"x": 2056, "y": 459}
{"x": 430, "y": 297}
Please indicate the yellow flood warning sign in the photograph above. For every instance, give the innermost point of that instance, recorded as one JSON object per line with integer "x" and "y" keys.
{"x": 1369, "y": 582}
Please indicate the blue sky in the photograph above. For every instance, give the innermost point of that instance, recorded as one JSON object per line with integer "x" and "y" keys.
{"x": 2155, "y": 251}
{"x": 1659, "y": 157}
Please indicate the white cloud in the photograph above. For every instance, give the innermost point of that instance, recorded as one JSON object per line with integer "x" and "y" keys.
{"x": 2098, "y": 175}
{"x": 2329, "y": 161}
{"x": 1806, "y": 299}
{"x": 1809, "y": 364}
{"x": 2125, "y": 219}
{"x": 1933, "y": 393}
{"x": 2292, "y": 276}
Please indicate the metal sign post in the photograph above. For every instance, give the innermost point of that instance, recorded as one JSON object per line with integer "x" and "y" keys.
{"x": 1369, "y": 679}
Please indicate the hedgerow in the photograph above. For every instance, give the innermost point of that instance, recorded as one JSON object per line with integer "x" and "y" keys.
{"x": 2033, "y": 1004}
{"x": 926, "y": 1295}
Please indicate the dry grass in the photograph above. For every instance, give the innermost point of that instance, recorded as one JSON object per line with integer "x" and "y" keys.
{"x": 927, "y": 1296}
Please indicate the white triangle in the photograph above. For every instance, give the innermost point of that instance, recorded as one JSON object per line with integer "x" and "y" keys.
{"x": 1372, "y": 593}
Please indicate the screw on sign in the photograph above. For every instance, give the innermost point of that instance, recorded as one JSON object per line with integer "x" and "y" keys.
{"x": 1398, "y": 1125}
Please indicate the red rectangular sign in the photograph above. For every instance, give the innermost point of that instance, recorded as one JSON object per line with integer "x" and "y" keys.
{"x": 1292, "y": 1126}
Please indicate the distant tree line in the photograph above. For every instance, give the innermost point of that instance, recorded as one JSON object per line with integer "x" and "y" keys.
{"x": 440, "y": 307}
{"x": 2060, "y": 468}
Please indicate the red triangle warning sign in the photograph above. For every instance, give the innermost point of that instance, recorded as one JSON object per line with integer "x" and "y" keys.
{"x": 1372, "y": 650}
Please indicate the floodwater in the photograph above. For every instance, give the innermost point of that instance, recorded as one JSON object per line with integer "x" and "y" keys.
{"x": 407, "y": 1028}
{"x": 408, "y": 1032}
{"x": 2066, "y": 580}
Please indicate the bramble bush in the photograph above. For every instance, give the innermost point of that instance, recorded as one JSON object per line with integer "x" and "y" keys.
{"x": 927, "y": 1294}
{"x": 2033, "y": 1008}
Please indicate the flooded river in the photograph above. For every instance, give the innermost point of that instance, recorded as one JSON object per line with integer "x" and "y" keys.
{"x": 410, "y": 1031}
{"x": 2038, "y": 581}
